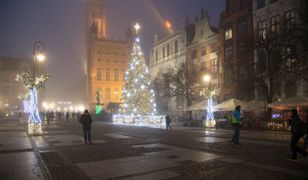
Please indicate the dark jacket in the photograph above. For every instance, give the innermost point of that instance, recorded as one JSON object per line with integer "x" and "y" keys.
{"x": 297, "y": 126}
{"x": 168, "y": 120}
{"x": 86, "y": 120}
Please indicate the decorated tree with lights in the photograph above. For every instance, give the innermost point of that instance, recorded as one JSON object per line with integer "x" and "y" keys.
{"x": 138, "y": 96}
{"x": 31, "y": 106}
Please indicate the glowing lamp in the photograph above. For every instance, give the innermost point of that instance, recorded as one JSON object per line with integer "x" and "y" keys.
{"x": 40, "y": 57}
{"x": 206, "y": 78}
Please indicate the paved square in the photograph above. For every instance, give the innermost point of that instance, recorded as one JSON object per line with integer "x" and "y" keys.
{"x": 21, "y": 165}
{"x": 148, "y": 163}
{"x": 14, "y": 141}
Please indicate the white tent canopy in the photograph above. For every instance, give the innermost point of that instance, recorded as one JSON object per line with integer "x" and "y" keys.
{"x": 198, "y": 107}
{"x": 295, "y": 101}
{"x": 229, "y": 105}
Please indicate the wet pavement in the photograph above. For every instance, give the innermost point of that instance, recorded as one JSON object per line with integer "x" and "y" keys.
{"x": 124, "y": 152}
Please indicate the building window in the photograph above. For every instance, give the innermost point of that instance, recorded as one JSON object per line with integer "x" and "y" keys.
{"x": 123, "y": 75}
{"x": 203, "y": 51}
{"x": 290, "y": 59}
{"x": 194, "y": 54}
{"x": 275, "y": 24}
{"x": 180, "y": 102}
{"x": 290, "y": 20}
{"x": 108, "y": 93}
{"x": 156, "y": 55}
{"x": 164, "y": 52}
{"x": 213, "y": 47}
{"x": 116, "y": 94}
{"x": 99, "y": 74}
{"x": 260, "y": 4}
{"x": 107, "y": 74}
{"x": 116, "y": 75}
{"x": 203, "y": 66}
{"x": 228, "y": 54}
{"x": 176, "y": 46}
{"x": 262, "y": 29}
{"x": 242, "y": 28}
{"x": 168, "y": 50}
{"x": 228, "y": 34}
{"x": 214, "y": 63}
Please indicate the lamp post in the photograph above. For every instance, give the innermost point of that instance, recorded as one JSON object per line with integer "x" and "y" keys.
{"x": 38, "y": 54}
{"x": 35, "y": 125}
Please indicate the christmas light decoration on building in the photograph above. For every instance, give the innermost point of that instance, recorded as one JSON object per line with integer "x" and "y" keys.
{"x": 138, "y": 106}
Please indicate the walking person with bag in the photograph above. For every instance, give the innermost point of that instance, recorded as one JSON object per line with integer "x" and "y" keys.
{"x": 86, "y": 121}
{"x": 297, "y": 131}
{"x": 236, "y": 124}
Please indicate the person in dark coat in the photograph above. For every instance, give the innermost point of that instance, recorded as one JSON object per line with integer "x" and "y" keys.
{"x": 296, "y": 133}
{"x": 67, "y": 116}
{"x": 168, "y": 122}
{"x": 305, "y": 118}
{"x": 86, "y": 121}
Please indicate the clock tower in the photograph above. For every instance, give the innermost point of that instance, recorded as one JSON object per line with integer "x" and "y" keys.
{"x": 96, "y": 20}
{"x": 107, "y": 60}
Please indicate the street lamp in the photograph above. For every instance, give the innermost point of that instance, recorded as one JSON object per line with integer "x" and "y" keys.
{"x": 207, "y": 78}
{"x": 38, "y": 54}
{"x": 210, "y": 122}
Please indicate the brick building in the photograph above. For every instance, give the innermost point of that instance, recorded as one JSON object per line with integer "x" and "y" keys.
{"x": 236, "y": 50}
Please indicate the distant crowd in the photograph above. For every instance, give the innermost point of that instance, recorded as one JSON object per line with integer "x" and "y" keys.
{"x": 58, "y": 115}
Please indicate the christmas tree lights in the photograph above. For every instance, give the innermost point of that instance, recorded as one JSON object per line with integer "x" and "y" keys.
{"x": 138, "y": 106}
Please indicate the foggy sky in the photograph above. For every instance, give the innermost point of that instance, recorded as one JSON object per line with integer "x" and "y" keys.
{"x": 61, "y": 25}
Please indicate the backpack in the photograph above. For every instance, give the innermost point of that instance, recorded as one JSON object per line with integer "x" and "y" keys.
{"x": 233, "y": 119}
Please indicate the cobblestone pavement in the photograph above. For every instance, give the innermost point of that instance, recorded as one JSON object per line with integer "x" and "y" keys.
{"x": 125, "y": 152}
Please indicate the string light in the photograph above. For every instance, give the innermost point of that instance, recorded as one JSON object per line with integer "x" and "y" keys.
{"x": 138, "y": 97}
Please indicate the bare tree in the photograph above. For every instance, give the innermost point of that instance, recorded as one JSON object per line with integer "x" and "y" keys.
{"x": 182, "y": 82}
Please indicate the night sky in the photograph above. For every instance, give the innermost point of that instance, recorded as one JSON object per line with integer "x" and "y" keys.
{"x": 61, "y": 25}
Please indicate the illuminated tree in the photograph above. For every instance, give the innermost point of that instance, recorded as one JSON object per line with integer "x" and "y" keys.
{"x": 138, "y": 97}
{"x": 33, "y": 84}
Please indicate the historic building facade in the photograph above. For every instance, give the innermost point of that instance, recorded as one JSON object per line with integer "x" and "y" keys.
{"x": 273, "y": 16}
{"x": 169, "y": 52}
{"x": 11, "y": 91}
{"x": 203, "y": 50}
{"x": 107, "y": 60}
{"x": 236, "y": 50}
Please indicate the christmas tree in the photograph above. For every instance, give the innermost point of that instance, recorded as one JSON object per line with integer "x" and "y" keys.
{"x": 138, "y": 96}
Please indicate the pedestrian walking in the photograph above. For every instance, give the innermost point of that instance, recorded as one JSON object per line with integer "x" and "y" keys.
{"x": 305, "y": 119}
{"x": 297, "y": 132}
{"x": 52, "y": 115}
{"x": 86, "y": 121}
{"x": 67, "y": 116}
{"x": 78, "y": 115}
{"x": 48, "y": 114}
{"x": 236, "y": 124}
{"x": 168, "y": 122}
{"x": 73, "y": 115}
